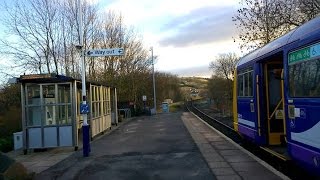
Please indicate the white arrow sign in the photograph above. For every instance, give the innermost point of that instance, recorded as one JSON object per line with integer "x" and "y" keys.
{"x": 105, "y": 52}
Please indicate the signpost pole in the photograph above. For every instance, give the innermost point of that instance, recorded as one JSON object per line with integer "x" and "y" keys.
{"x": 85, "y": 125}
{"x": 84, "y": 108}
{"x": 154, "y": 84}
{"x": 144, "y": 99}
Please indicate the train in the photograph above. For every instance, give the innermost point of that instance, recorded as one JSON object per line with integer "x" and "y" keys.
{"x": 276, "y": 96}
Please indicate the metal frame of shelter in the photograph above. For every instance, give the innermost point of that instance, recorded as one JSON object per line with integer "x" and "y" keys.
{"x": 51, "y": 110}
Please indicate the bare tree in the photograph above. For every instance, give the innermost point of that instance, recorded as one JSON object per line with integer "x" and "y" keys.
{"x": 220, "y": 90}
{"x": 224, "y": 65}
{"x": 261, "y": 21}
{"x": 45, "y": 34}
{"x": 220, "y": 85}
{"x": 34, "y": 26}
{"x": 301, "y": 11}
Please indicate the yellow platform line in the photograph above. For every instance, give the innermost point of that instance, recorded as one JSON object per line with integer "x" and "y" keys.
{"x": 284, "y": 158}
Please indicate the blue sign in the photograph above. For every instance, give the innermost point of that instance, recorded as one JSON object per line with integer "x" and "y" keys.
{"x": 165, "y": 107}
{"x": 303, "y": 113}
{"x": 315, "y": 50}
{"x": 84, "y": 108}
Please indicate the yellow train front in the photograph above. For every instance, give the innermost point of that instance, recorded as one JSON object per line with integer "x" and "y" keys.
{"x": 277, "y": 96}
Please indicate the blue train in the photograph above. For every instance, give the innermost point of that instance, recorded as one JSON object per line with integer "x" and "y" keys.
{"x": 277, "y": 96}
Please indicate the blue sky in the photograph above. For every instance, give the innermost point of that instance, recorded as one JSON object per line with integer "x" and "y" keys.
{"x": 186, "y": 35}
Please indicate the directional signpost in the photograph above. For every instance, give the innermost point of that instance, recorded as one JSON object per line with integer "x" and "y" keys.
{"x": 105, "y": 52}
{"x": 84, "y": 108}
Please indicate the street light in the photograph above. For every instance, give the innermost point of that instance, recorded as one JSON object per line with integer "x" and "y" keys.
{"x": 154, "y": 83}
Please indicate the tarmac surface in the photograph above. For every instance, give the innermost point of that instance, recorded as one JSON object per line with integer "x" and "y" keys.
{"x": 152, "y": 147}
{"x": 164, "y": 146}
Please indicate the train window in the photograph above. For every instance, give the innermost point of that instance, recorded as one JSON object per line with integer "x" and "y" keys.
{"x": 240, "y": 85}
{"x": 250, "y": 83}
{"x": 245, "y": 83}
{"x": 304, "y": 79}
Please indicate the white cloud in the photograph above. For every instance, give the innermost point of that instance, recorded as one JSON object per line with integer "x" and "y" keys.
{"x": 170, "y": 58}
{"x": 198, "y": 71}
{"x": 138, "y": 11}
{"x": 200, "y": 26}
{"x": 165, "y": 25}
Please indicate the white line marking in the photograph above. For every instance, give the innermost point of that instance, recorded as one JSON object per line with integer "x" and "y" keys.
{"x": 129, "y": 131}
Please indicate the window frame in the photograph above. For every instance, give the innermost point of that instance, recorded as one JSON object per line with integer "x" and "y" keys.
{"x": 245, "y": 79}
{"x": 42, "y": 105}
{"x": 294, "y": 82}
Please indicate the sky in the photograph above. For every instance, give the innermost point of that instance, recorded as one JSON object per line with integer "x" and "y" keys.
{"x": 186, "y": 35}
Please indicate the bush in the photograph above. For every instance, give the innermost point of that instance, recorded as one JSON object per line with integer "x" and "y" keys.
{"x": 175, "y": 107}
{"x": 6, "y": 144}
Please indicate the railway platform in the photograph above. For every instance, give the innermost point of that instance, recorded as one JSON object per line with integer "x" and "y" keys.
{"x": 226, "y": 159}
{"x": 164, "y": 146}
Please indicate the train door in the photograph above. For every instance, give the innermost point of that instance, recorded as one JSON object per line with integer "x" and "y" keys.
{"x": 273, "y": 112}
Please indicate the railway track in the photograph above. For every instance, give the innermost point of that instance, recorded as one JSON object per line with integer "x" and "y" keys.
{"x": 222, "y": 127}
{"x": 286, "y": 167}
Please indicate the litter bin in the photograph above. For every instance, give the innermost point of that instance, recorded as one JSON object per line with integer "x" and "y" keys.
{"x": 17, "y": 139}
{"x": 165, "y": 107}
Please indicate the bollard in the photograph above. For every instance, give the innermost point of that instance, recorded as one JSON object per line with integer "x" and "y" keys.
{"x": 86, "y": 140}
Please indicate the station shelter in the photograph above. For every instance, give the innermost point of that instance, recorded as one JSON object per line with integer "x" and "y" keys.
{"x": 51, "y": 110}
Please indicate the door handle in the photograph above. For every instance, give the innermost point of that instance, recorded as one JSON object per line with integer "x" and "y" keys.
{"x": 252, "y": 107}
{"x": 291, "y": 112}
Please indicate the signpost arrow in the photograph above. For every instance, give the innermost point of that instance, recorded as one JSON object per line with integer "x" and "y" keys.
{"x": 105, "y": 52}
{"x": 89, "y": 53}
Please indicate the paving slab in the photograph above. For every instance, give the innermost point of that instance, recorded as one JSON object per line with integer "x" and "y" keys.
{"x": 227, "y": 160}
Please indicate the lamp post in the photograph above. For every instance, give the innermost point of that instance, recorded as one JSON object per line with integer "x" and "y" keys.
{"x": 154, "y": 83}
{"x": 84, "y": 109}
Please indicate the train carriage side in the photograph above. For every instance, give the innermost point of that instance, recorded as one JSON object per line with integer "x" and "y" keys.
{"x": 281, "y": 113}
{"x": 259, "y": 96}
{"x": 302, "y": 96}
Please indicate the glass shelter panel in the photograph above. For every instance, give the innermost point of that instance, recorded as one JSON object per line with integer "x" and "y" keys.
{"x": 105, "y": 102}
{"x": 64, "y": 93}
{"x": 96, "y": 101}
{"x": 108, "y": 100}
{"x": 50, "y": 115}
{"x": 52, "y": 108}
{"x": 33, "y": 94}
{"x": 48, "y": 94}
{"x": 34, "y": 116}
{"x": 64, "y": 114}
